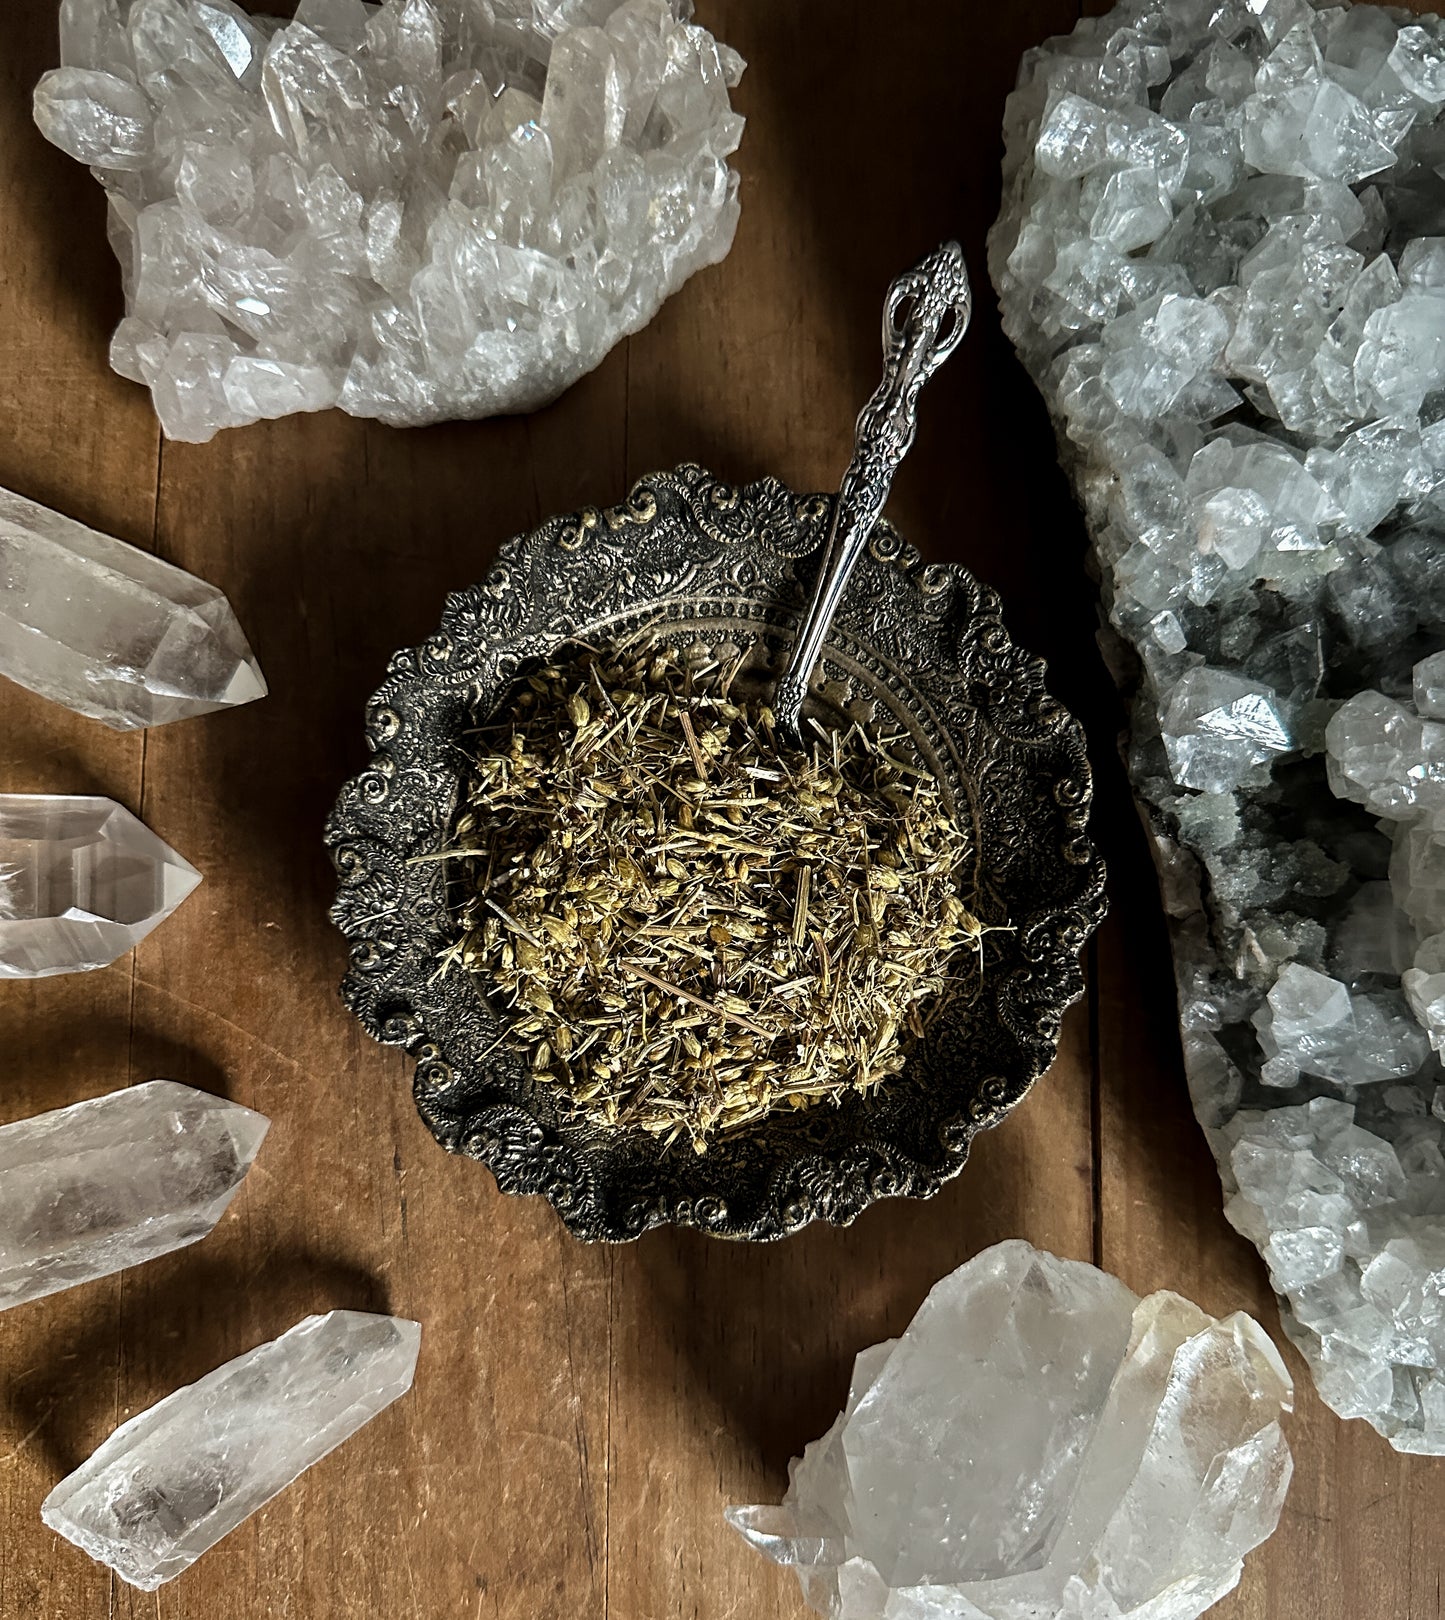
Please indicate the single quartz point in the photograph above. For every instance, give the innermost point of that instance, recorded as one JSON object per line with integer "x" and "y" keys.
{"x": 96, "y": 117}
{"x": 1041, "y": 1444}
{"x": 92, "y": 1189}
{"x": 1221, "y": 257}
{"x": 167, "y": 1485}
{"x": 81, "y": 883}
{"x": 111, "y": 631}
{"x": 414, "y": 211}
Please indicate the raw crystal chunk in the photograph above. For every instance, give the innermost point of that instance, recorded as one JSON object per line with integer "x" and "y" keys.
{"x": 1316, "y": 130}
{"x": 96, "y": 117}
{"x": 417, "y": 210}
{"x": 1249, "y": 399}
{"x": 1040, "y": 1443}
{"x": 1417, "y": 876}
{"x": 167, "y": 1485}
{"x": 81, "y": 883}
{"x": 103, "y": 1185}
{"x": 111, "y": 631}
{"x": 1310, "y": 1024}
{"x": 1402, "y": 356}
{"x": 1252, "y": 496}
{"x": 1219, "y": 730}
{"x": 1424, "y": 987}
{"x": 1155, "y": 354}
{"x": 1429, "y": 683}
{"x": 1383, "y": 756}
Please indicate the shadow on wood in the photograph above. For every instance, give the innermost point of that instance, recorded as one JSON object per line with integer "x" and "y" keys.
{"x": 101, "y": 1052}
{"x": 762, "y": 1336}
{"x": 204, "y": 1313}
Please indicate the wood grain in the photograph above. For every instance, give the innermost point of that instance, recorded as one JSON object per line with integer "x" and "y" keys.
{"x": 581, "y": 1416}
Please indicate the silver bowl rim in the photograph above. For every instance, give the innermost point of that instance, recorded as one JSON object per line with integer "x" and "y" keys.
{"x": 692, "y": 556}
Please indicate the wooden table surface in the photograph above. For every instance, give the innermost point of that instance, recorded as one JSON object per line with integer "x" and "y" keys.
{"x": 581, "y": 1415}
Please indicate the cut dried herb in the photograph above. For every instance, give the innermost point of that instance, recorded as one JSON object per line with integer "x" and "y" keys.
{"x": 687, "y": 925}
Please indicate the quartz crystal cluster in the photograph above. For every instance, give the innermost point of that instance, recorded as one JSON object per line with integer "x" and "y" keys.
{"x": 1216, "y": 258}
{"x": 415, "y": 211}
{"x": 166, "y": 1486}
{"x": 112, "y": 631}
{"x": 1040, "y": 1444}
{"x": 81, "y": 883}
{"x": 106, "y": 1184}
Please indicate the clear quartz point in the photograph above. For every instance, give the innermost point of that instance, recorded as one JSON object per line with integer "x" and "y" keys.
{"x": 1041, "y": 1443}
{"x": 170, "y": 1483}
{"x": 106, "y": 1184}
{"x": 112, "y": 631}
{"x": 81, "y": 883}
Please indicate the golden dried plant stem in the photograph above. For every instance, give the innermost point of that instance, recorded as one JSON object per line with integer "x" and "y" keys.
{"x": 800, "y": 908}
{"x": 697, "y": 1001}
{"x": 635, "y": 829}
{"x": 699, "y": 763}
{"x": 513, "y": 924}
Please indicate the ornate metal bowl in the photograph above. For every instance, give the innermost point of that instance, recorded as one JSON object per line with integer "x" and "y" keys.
{"x": 693, "y": 559}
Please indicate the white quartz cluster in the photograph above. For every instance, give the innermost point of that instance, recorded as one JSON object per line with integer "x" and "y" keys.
{"x": 1218, "y": 256}
{"x": 419, "y": 210}
{"x": 1040, "y": 1444}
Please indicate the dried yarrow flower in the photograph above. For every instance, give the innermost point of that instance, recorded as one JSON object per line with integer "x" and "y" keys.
{"x": 687, "y": 925}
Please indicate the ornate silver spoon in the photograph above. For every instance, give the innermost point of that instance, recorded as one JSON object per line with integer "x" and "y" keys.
{"x": 924, "y": 318}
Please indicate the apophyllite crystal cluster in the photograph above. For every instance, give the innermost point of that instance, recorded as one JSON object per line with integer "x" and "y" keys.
{"x": 415, "y": 211}
{"x": 1218, "y": 257}
{"x": 1041, "y": 1444}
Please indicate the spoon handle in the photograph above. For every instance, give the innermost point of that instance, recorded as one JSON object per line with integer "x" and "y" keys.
{"x": 924, "y": 318}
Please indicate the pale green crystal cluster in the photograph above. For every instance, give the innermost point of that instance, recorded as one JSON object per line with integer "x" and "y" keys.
{"x": 415, "y": 211}
{"x": 1218, "y": 256}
